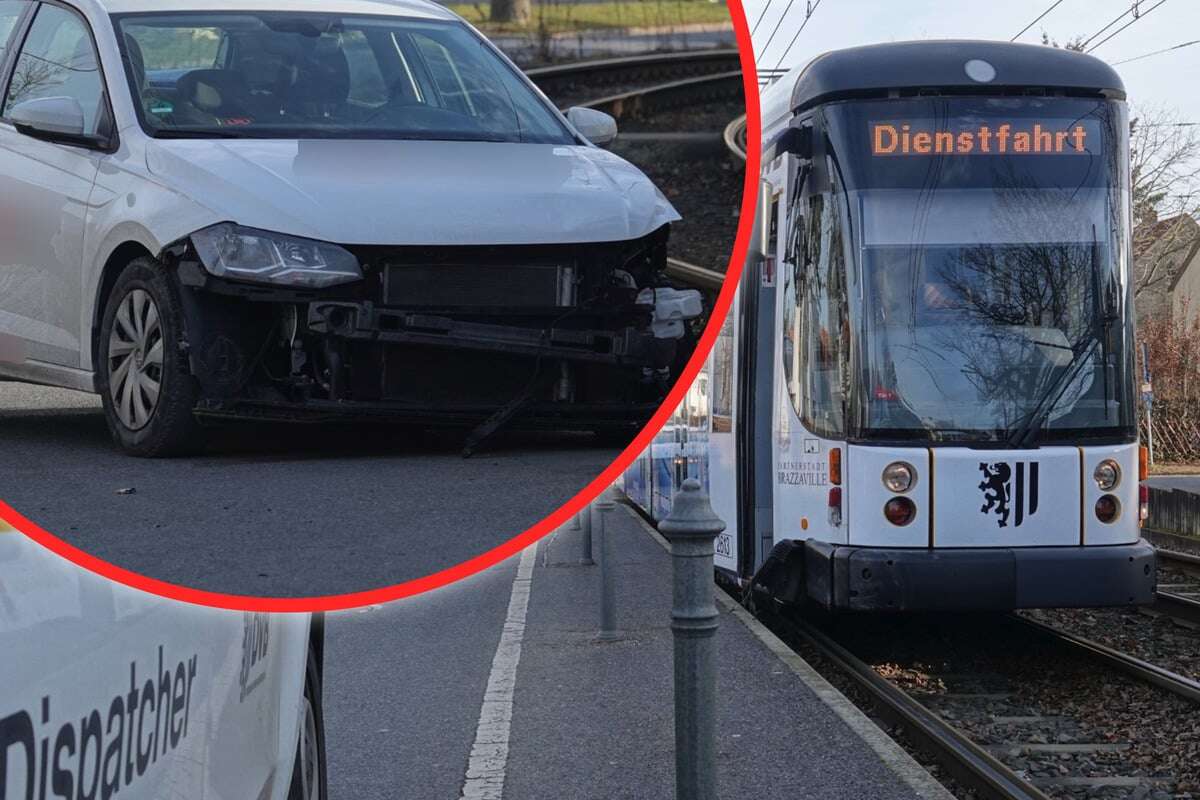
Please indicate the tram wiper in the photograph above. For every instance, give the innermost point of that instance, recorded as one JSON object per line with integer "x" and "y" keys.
{"x": 1022, "y": 435}
{"x": 1105, "y": 314}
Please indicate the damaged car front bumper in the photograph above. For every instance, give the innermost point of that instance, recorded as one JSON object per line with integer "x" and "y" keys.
{"x": 561, "y": 336}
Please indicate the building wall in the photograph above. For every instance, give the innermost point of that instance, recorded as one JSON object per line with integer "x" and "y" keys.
{"x": 1185, "y": 297}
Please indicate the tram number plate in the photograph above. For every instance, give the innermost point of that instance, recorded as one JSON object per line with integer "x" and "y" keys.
{"x": 724, "y": 545}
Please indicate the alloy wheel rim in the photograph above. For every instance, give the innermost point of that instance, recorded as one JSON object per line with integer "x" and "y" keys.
{"x": 135, "y": 360}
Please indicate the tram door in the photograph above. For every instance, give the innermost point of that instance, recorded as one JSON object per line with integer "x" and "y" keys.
{"x": 811, "y": 349}
{"x": 741, "y": 376}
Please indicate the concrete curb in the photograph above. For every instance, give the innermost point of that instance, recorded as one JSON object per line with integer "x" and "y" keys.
{"x": 895, "y": 757}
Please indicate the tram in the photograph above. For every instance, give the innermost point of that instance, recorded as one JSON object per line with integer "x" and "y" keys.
{"x": 923, "y": 397}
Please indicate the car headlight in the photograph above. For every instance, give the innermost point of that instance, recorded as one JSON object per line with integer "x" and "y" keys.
{"x": 231, "y": 251}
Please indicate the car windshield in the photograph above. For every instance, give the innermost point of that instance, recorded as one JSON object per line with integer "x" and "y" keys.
{"x": 301, "y": 75}
{"x": 992, "y": 286}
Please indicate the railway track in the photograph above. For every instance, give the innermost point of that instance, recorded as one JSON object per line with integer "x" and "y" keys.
{"x": 567, "y": 80}
{"x": 968, "y": 696}
{"x": 650, "y": 100}
{"x": 735, "y": 137}
{"x": 1178, "y": 592}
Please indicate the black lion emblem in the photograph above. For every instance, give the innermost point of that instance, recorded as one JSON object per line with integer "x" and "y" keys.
{"x": 995, "y": 488}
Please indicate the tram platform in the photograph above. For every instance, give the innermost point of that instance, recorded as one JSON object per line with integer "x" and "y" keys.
{"x": 592, "y": 719}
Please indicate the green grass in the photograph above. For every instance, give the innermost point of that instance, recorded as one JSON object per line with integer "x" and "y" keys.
{"x": 568, "y": 17}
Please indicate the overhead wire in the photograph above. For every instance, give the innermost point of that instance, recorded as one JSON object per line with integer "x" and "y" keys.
{"x": 811, "y": 9}
{"x": 1136, "y": 16}
{"x": 1112, "y": 22}
{"x": 1157, "y": 52}
{"x": 779, "y": 22}
{"x": 1037, "y": 19}
{"x": 766, "y": 8}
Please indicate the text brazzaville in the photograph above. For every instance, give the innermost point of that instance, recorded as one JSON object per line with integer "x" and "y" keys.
{"x": 1003, "y": 138}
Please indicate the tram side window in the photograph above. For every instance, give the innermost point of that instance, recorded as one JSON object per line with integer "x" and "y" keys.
{"x": 723, "y": 379}
{"x": 821, "y": 327}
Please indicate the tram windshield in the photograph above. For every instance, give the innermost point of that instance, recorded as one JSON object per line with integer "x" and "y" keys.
{"x": 989, "y": 239}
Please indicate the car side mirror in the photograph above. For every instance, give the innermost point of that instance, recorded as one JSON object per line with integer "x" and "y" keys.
{"x": 52, "y": 119}
{"x": 597, "y": 127}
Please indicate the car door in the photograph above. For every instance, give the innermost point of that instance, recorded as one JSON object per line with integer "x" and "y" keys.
{"x": 111, "y": 692}
{"x": 44, "y": 190}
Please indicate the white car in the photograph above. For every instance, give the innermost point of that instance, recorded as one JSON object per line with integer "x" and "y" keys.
{"x": 111, "y": 692}
{"x": 288, "y": 209}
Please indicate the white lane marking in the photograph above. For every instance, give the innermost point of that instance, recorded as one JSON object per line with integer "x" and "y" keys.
{"x": 489, "y": 754}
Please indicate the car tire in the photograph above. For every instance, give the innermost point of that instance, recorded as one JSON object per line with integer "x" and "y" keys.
{"x": 142, "y": 371}
{"x": 308, "y": 771}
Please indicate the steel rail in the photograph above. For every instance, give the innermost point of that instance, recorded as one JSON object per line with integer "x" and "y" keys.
{"x": 969, "y": 763}
{"x": 1171, "y": 603}
{"x": 631, "y": 68}
{"x": 1135, "y": 667}
{"x": 735, "y": 137}
{"x": 667, "y": 96}
{"x": 1186, "y": 561}
{"x": 1177, "y": 606}
{"x": 1177, "y": 538}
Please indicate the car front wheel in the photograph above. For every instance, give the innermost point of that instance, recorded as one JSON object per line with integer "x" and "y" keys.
{"x": 143, "y": 377}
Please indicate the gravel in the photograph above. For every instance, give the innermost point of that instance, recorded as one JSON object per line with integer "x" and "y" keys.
{"x": 975, "y": 669}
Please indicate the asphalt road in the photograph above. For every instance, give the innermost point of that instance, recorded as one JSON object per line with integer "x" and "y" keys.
{"x": 280, "y": 511}
{"x": 403, "y": 687}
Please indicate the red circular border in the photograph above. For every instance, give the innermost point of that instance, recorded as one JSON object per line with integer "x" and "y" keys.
{"x": 550, "y": 523}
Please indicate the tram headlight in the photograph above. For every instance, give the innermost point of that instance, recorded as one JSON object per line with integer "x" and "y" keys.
{"x": 899, "y": 477}
{"x": 899, "y": 511}
{"x": 1107, "y": 475}
{"x": 1108, "y": 508}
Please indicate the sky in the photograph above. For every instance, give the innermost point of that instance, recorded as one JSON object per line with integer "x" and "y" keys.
{"x": 1169, "y": 81}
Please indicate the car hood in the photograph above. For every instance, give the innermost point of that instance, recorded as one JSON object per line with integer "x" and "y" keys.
{"x": 415, "y": 193}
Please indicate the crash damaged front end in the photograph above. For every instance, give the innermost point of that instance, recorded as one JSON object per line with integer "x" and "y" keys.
{"x": 570, "y": 336}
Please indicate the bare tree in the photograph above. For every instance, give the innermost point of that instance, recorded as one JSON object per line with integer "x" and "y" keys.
{"x": 1165, "y": 167}
{"x": 1075, "y": 44}
{"x": 516, "y": 11}
{"x": 1164, "y": 172}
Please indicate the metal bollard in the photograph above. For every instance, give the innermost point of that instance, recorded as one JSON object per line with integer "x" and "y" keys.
{"x": 608, "y": 590}
{"x": 584, "y": 520}
{"x": 691, "y": 528}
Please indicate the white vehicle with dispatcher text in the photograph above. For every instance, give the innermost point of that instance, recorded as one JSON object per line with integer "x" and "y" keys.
{"x": 296, "y": 211}
{"x": 111, "y": 692}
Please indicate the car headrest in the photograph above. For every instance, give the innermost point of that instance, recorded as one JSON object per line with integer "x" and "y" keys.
{"x": 211, "y": 89}
{"x": 323, "y": 77}
{"x": 84, "y": 57}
